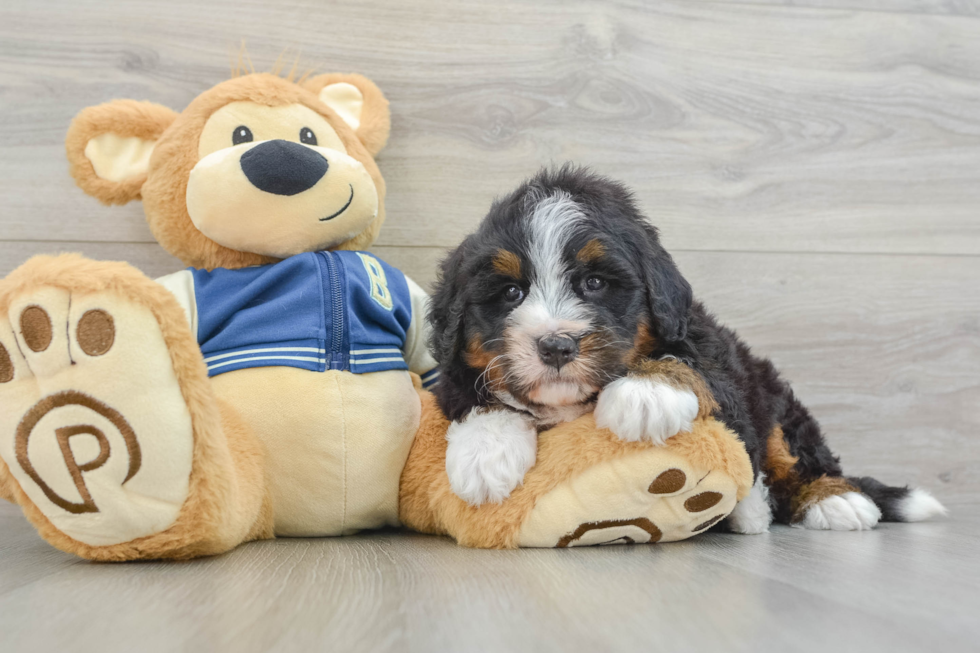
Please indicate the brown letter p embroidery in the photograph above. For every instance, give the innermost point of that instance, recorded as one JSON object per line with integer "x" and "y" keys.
{"x": 64, "y": 434}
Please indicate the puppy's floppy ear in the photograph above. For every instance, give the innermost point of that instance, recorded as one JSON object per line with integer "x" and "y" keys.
{"x": 109, "y": 147}
{"x": 359, "y": 103}
{"x": 456, "y": 390}
{"x": 447, "y": 309}
{"x": 669, "y": 294}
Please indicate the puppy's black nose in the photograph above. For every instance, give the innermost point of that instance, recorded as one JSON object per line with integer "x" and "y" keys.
{"x": 557, "y": 351}
{"x": 283, "y": 167}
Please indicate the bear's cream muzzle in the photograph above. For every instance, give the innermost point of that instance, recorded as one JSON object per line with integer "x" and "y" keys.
{"x": 279, "y": 198}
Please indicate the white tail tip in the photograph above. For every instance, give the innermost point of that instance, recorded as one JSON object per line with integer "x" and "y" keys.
{"x": 920, "y": 505}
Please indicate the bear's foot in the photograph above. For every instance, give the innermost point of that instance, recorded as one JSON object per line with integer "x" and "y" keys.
{"x": 93, "y": 424}
{"x": 645, "y": 497}
{"x": 587, "y": 487}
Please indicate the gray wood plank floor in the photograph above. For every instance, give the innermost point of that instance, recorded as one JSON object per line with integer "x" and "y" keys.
{"x": 813, "y": 164}
{"x": 904, "y": 587}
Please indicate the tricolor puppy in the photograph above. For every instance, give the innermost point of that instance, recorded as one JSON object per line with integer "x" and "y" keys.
{"x": 563, "y": 302}
{"x": 539, "y": 317}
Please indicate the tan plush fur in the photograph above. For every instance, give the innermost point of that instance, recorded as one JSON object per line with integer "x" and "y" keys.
{"x": 227, "y": 488}
{"x": 6, "y": 484}
{"x": 230, "y": 496}
{"x": 429, "y": 505}
{"x": 375, "y": 115}
{"x": 176, "y": 154}
{"x": 229, "y": 501}
{"x": 165, "y": 187}
{"x": 125, "y": 118}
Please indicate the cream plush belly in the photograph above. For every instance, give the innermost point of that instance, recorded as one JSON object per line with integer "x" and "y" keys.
{"x": 335, "y": 443}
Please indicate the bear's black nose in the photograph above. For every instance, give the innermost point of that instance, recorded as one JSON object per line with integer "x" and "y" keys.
{"x": 283, "y": 167}
{"x": 557, "y": 351}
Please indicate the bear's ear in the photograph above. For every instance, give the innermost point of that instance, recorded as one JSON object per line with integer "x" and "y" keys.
{"x": 109, "y": 147}
{"x": 358, "y": 102}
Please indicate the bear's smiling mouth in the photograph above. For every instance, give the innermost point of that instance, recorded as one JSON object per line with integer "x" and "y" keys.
{"x": 343, "y": 208}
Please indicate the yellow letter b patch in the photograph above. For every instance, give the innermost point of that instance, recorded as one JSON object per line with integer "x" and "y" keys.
{"x": 379, "y": 284}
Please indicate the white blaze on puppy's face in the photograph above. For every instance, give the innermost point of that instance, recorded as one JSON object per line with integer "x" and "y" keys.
{"x": 551, "y": 307}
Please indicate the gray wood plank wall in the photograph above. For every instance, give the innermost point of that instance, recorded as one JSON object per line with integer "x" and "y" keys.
{"x": 813, "y": 164}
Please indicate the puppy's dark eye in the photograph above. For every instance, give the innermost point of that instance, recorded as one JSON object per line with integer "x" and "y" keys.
{"x": 242, "y": 134}
{"x": 595, "y": 284}
{"x": 513, "y": 293}
{"x": 307, "y": 136}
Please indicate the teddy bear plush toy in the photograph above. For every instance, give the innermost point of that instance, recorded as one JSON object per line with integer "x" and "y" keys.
{"x": 276, "y": 386}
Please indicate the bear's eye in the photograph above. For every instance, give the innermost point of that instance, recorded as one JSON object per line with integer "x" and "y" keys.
{"x": 242, "y": 134}
{"x": 307, "y": 136}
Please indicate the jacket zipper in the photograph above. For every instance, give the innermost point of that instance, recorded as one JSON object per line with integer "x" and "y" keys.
{"x": 337, "y": 359}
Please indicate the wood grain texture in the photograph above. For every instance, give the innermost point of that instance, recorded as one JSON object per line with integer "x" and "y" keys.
{"x": 739, "y": 126}
{"x": 814, "y": 165}
{"x": 417, "y": 262}
{"x": 940, "y": 7}
{"x": 883, "y": 349}
{"x": 788, "y": 590}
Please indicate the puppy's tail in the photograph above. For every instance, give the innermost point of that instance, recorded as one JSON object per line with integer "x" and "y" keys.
{"x": 899, "y": 503}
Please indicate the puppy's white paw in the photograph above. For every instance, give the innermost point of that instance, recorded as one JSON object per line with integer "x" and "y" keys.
{"x": 488, "y": 454}
{"x": 851, "y": 511}
{"x": 752, "y": 515}
{"x": 639, "y": 408}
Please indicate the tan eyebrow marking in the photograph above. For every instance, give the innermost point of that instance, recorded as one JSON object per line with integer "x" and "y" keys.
{"x": 592, "y": 251}
{"x": 506, "y": 262}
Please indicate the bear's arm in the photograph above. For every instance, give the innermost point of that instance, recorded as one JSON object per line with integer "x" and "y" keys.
{"x": 181, "y": 286}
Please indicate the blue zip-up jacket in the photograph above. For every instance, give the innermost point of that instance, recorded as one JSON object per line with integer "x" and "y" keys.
{"x": 317, "y": 311}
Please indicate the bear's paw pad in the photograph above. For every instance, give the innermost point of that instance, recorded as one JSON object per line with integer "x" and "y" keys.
{"x": 646, "y": 497}
{"x": 93, "y": 425}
